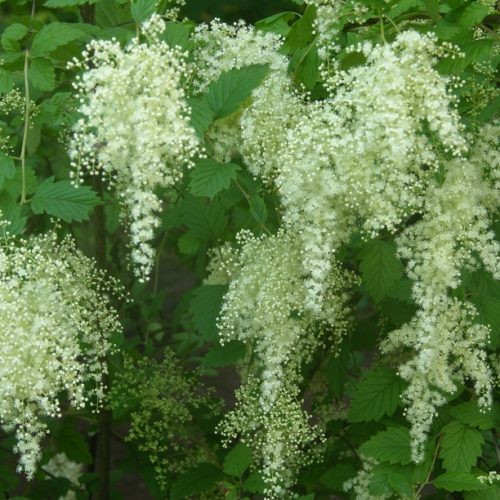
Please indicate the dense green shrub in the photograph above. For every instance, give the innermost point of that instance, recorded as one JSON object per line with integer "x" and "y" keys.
{"x": 293, "y": 224}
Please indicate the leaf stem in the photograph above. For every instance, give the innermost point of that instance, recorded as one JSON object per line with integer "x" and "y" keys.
{"x": 26, "y": 109}
{"x": 431, "y": 468}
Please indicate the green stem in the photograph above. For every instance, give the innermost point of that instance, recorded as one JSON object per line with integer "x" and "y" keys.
{"x": 22, "y": 156}
{"x": 431, "y": 468}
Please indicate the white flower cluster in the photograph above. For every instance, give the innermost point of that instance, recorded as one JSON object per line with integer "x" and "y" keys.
{"x": 222, "y": 47}
{"x": 264, "y": 307}
{"x": 453, "y": 235}
{"x": 55, "y": 329}
{"x": 134, "y": 128}
{"x": 364, "y": 157}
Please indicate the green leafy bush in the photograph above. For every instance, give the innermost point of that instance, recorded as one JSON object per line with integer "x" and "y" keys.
{"x": 291, "y": 222}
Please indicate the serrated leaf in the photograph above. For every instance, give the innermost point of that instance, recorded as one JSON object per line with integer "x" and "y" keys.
{"x": 177, "y": 35}
{"x": 490, "y": 492}
{"x": 206, "y": 222}
{"x": 12, "y": 213}
{"x": 142, "y": 9}
{"x": 205, "y": 307}
{"x": 254, "y": 483}
{"x": 225, "y": 95}
{"x": 71, "y": 443}
{"x": 460, "y": 447}
{"x": 258, "y": 209}
{"x": 400, "y": 485}
{"x": 7, "y": 168}
{"x": 336, "y": 476}
{"x": 301, "y": 32}
{"x": 238, "y": 460}
{"x": 110, "y": 13}
{"x": 380, "y": 268}
{"x": 11, "y": 35}
{"x": 392, "y": 445}
{"x": 375, "y": 396}
{"x": 6, "y": 81}
{"x": 458, "y": 481}
{"x": 210, "y": 177}
{"x": 379, "y": 479}
{"x": 201, "y": 116}
{"x": 42, "y": 74}
{"x": 62, "y": 199}
{"x": 224, "y": 355}
{"x": 14, "y": 184}
{"x": 277, "y": 23}
{"x": 489, "y": 312}
{"x": 53, "y": 36}
{"x": 196, "y": 480}
{"x": 473, "y": 14}
{"x": 469, "y": 413}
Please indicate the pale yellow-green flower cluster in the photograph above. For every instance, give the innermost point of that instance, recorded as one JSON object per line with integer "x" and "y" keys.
{"x": 55, "y": 330}
{"x": 161, "y": 399}
{"x": 453, "y": 235}
{"x": 134, "y": 128}
{"x": 265, "y": 307}
{"x": 222, "y": 47}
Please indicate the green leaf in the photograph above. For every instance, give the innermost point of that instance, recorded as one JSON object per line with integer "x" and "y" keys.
{"x": 53, "y": 36}
{"x": 254, "y": 483}
{"x": 188, "y": 243}
{"x": 458, "y": 481}
{"x": 392, "y": 445}
{"x": 278, "y": 23}
{"x": 309, "y": 68}
{"x": 201, "y": 116}
{"x": 460, "y": 447}
{"x": 227, "y": 93}
{"x": 469, "y": 413}
{"x": 7, "y": 168}
{"x": 142, "y": 9}
{"x": 206, "y": 222}
{"x": 64, "y": 200}
{"x": 302, "y": 31}
{"x": 14, "y": 184}
{"x": 12, "y": 212}
{"x": 473, "y": 14}
{"x": 224, "y": 355}
{"x": 375, "y": 396}
{"x": 380, "y": 268}
{"x": 205, "y": 307}
{"x": 336, "y": 476}
{"x": 11, "y": 35}
{"x": 258, "y": 209}
{"x": 490, "y": 492}
{"x": 336, "y": 372}
{"x": 42, "y": 74}
{"x": 489, "y": 313}
{"x": 209, "y": 177}
{"x": 196, "y": 480}
{"x": 110, "y": 13}
{"x": 400, "y": 485}
{"x": 238, "y": 460}
{"x": 379, "y": 479}
{"x": 6, "y": 81}
{"x": 71, "y": 443}
{"x": 177, "y": 35}
{"x": 59, "y": 4}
